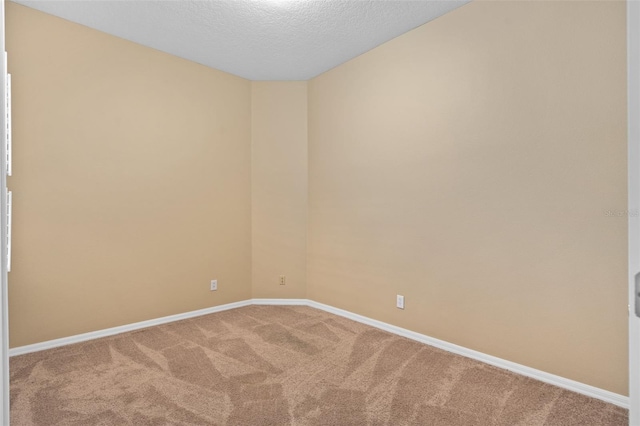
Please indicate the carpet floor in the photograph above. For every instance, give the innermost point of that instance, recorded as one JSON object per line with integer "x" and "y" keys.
{"x": 277, "y": 365}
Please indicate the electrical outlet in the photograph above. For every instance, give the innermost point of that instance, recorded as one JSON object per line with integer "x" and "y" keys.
{"x": 283, "y": 280}
{"x": 399, "y": 301}
{"x": 214, "y": 285}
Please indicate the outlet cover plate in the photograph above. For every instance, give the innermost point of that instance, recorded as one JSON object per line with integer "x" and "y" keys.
{"x": 214, "y": 285}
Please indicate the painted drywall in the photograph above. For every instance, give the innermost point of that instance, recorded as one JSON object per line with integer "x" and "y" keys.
{"x": 131, "y": 183}
{"x": 279, "y": 188}
{"x": 477, "y": 166}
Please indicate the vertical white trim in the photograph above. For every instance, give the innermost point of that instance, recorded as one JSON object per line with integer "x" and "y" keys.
{"x": 633, "y": 164}
{"x": 9, "y": 210}
{"x": 8, "y": 114}
{"x": 4, "y": 308}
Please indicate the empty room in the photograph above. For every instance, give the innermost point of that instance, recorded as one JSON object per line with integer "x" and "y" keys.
{"x": 320, "y": 212}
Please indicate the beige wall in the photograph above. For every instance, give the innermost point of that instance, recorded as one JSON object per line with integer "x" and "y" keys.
{"x": 468, "y": 165}
{"x": 279, "y": 188}
{"x": 131, "y": 181}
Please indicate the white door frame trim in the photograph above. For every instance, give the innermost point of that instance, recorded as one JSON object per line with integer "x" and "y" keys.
{"x": 633, "y": 165}
{"x": 4, "y": 295}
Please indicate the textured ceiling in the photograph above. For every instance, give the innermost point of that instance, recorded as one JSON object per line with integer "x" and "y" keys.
{"x": 255, "y": 39}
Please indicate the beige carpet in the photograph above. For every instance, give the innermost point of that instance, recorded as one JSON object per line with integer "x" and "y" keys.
{"x": 270, "y": 365}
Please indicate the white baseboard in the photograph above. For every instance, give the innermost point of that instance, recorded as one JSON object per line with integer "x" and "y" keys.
{"x": 283, "y": 302}
{"x": 572, "y": 385}
{"x": 50, "y": 344}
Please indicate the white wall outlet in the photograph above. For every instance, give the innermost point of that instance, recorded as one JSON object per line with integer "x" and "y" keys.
{"x": 399, "y": 301}
{"x": 214, "y": 285}
{"x": 283, "y": 280}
